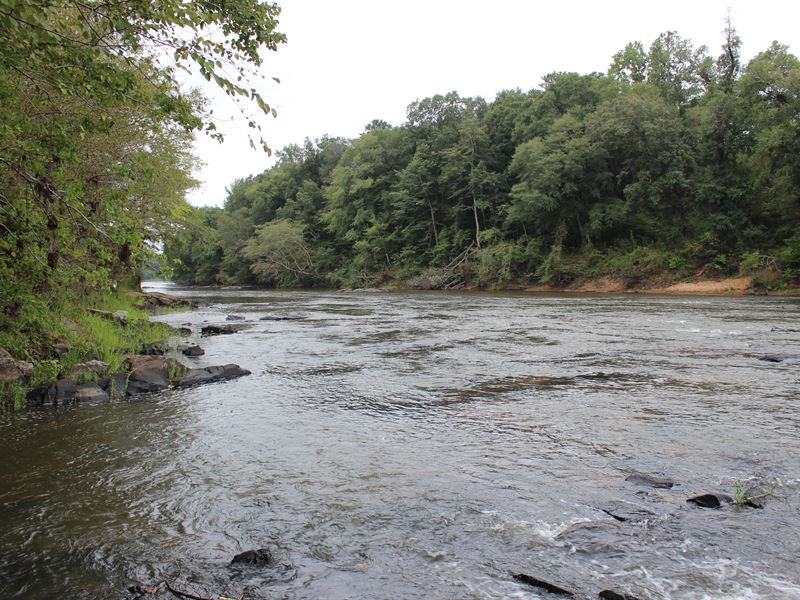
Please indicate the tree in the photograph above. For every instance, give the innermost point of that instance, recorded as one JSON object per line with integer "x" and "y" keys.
{"x": 279, "y": 253}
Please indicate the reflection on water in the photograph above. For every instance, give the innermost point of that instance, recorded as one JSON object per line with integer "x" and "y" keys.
{"x": 399, "y": 445}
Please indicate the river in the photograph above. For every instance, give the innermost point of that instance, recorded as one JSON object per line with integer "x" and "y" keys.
{"x": 427, "y": 445}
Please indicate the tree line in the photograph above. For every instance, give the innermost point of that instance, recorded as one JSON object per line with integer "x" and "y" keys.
{"x": 96, "y": 138}
{"x": 674, "y": 163}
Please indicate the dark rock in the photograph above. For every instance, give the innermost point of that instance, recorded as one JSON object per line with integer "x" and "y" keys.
{"x": 184, "y": 331}
{"x": 775, "y": 328}
{"x": 257, "y": 558}
{"x": 219, "y": 330}
{"x": 710, "y": 500}
{"x": 544, "y": 585}
{"x": 650, "y": 480}
{"x": 612, "y": 595}
{"x": 152, "y": 373}
{"x": 155, "y": 348}
{"x": 193, "y": 351}
{"x": 210, "y": 375}
{"x": 234, "y": 318}
{"x": 58, "y": 392}
{"x": 90, "y": 392}
{"x": 13, "y": 370}
{"x": 116, "y": 385}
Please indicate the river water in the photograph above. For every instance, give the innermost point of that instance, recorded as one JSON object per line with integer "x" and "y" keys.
{"x": 427, "y": 445}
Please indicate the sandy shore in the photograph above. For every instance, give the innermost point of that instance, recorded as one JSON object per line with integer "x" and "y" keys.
{"x": 734, "y": 286}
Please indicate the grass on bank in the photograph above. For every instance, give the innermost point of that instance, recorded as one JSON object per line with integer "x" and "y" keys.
{"x": 40, "y": 332}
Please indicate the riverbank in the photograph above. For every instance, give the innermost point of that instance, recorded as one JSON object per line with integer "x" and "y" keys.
{"x": 731, "y": 286}
{"x": 46, "y": 345}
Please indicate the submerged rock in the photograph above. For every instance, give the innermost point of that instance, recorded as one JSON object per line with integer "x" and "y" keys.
{"x": 542, "y": 584}
{"x": 234, "y": 318}
{"x": 626, "y": 511}
{"x": 193, "y": 351}
{"x": 650, "y": 480}
{"x": 210, "y": 375}
{"x": 257, "y": 558}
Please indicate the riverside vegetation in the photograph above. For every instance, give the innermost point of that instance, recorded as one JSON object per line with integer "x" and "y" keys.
{"x": 672, "y": 165}
{"x": 95, "y": 158}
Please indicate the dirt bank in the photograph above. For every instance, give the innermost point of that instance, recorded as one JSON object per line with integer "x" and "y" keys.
{"x": 734, "y": 286}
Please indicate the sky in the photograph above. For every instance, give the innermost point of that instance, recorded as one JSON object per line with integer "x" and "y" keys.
{"x": 347, "y": 62}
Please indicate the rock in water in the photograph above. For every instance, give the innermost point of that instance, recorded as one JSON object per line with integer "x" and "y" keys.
{"x": 650, "y": 480}
{"x": 152, "y": 373}
{"x": 90, "y": 392}
{"x": 234, "y": 318}
{"x": 710, "y": 500}
{"x": 59, "y": 392}
{"x": 219, "y": 330}
{"x": 545, "y": 585}
{"x": 210, "y": 375}
{"x": 193, "y": 351}
{"x": 612, "y": 595}
{"x": 258, "y": 558}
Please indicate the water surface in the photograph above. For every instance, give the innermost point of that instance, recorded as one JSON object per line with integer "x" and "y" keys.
{"x": 426, "y": 445}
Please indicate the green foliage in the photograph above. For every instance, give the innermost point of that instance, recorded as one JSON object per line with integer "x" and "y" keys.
{"x": 675, "y": 164}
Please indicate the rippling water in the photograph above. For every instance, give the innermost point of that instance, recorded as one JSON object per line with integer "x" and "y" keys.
{"x": 425, "y": 445}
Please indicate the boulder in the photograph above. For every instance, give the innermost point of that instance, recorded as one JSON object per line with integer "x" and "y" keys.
{"x": 257, "y": 558}
{"x": 193, "y": 351}
{"x": 96, "y": 367}
{"x": 13, "y": 370}
{"x": 90, "y": 392}
{"x": 210, "y": 375}
{"x": 184, "y": 331}
{"x": 151, "y": 373}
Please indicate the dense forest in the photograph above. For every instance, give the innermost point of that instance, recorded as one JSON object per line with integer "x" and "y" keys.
{"x": 96, "y": 136}
{"x": 673, "y": 164}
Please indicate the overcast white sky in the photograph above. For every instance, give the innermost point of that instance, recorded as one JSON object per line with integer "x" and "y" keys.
{"x": 348, "y": 62}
